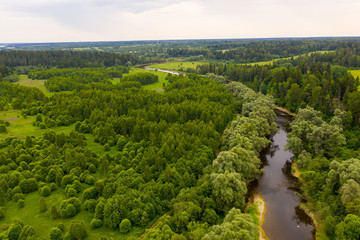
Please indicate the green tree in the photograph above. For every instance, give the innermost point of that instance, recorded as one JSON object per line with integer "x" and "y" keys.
{"x": 55, "y": 234}
{"x": 77, "y": 230}
{"x": 349, "y": 229}
{"x": 125, "y": 226}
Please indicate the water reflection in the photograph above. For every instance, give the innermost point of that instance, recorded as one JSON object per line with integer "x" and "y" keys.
{"x": 284, "y": 219}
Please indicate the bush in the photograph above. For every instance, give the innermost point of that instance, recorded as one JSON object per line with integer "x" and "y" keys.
{"x": 21, "y": 203}
{"x": 27, "y": 232}
{"x": 90, "y": 205}
{"x": 54, "y": 212}
{"x": 89, "y": 193}
{"x": 45, "y": 191}
{"x": 18, "y": 196}
{"x": 55, "y": 234}
{"x": 90, "y": 180}
{"x": 106, "y": 147}
{"x": 53, "y": 187}
{"x": 70, "y": 210}
{"x": 125, "y": 226}
{"x": 71, "y": 192}
{"x": 77, "y": 230}
{"x": 92, "y": 168}
{"x": 61, "y": 226}
{"x": 3, "y": 128}
{"x": 96, "y": 223}
{"x": 14, "y": 232}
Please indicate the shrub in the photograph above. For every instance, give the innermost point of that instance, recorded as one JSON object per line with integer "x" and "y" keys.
{"x": 27, "y": 232}
{"x": 21, "y": 203}
{"x": 96, "y": 223}
{"x": 89, "y": 193}
{"x": 14, "y": 232}
{"x": 90, "y": 180}
{"x": 54, "y": 212}
{"x": 92, "y": 168}
{"x": 55, "y": 234}
{"x": 125, "y": 226}
{"x": 71, "y": 192}
{"x": 70, "y": 210}
{"x": 90, "y": 205}
{"x": 3, "y": 128}
{"x": 61, "y": 226}
{"x": 77, "y": 230}
{"x": 106, "y": 147}
{"x": 18, "y": 196}
{"x": 53, "y": 187}
{"x": 45, "y": 191}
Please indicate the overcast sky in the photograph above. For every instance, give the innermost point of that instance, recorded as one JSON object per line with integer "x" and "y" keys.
{"x": 117, "y": 20}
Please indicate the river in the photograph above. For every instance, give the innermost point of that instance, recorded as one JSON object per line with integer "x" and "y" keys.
{"x": 284, "y": 220}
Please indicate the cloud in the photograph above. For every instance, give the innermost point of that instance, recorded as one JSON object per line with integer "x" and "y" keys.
{"x": 84, "y": 20}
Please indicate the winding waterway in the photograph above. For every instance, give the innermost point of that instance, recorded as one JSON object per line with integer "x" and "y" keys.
{"x": 284, "y": 220}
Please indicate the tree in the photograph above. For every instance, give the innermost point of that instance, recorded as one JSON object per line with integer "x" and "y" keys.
{"x": 349, "y": 229}
{"x": 77, "y": 230}
{"x": 14, "y": 232}
{"x": 210, "y": 216}
{"x": 55, "y": 234}
{"x": 236, "y": 226}
{"x": 125, "y": 226}
{"x": 228, "y": 190}
{"x": 45, "y": 191}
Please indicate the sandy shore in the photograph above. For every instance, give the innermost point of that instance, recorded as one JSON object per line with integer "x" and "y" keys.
{"x": 284, "y": 110}
{"x": 262, "y": 209}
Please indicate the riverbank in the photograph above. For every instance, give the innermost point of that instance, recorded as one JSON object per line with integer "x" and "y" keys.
{"x": 262, "y": 209}
{"x": 319, "y": 232}
{"x": 284, "y": 110}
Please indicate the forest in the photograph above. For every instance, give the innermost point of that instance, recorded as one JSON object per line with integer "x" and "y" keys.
{"x": 105, "y": 156}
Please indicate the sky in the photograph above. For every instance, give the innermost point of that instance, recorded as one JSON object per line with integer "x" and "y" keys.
{"x": 120, "y": 20}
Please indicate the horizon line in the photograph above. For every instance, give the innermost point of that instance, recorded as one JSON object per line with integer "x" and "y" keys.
{"x": 184, "y": 39}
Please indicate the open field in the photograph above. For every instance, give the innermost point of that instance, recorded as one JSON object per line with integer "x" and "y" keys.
{"x": 24, "y": 80}
{"x": 158, "y": 86}
{"x": 21, "y": 127}
{"x": 42, "y": 222}
{"x": 177, "y": 66}
{"x": 355, "y": 73}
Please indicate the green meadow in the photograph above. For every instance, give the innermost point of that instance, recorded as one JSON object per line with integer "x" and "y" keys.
{"x": 21, "y": 127}
{"x": 355, "y": 73}
{"x": 158, "y": 86}
{"x": 42, "y": 222}
{"x": 177, "y": 66}
{"x": 25, "y": 81}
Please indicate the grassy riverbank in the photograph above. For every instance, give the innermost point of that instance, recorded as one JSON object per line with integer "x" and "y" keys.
{"x": 257, "y": 209}
{"x": 307, "y": 207}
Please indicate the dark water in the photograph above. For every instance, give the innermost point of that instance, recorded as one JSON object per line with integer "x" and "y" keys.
{"x": 284, "y": 220}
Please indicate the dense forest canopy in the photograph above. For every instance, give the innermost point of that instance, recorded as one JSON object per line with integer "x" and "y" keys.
{"x": 101, "y": 155}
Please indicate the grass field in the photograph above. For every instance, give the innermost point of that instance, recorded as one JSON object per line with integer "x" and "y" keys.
{"x": 177, "y": 66}
{"x": 21, "y": 127}
{"x": 355, "y": 73}
{"x": 42, "y": 222}
{"x": 25, "y": 81}
{"x": 158, "y": 86}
